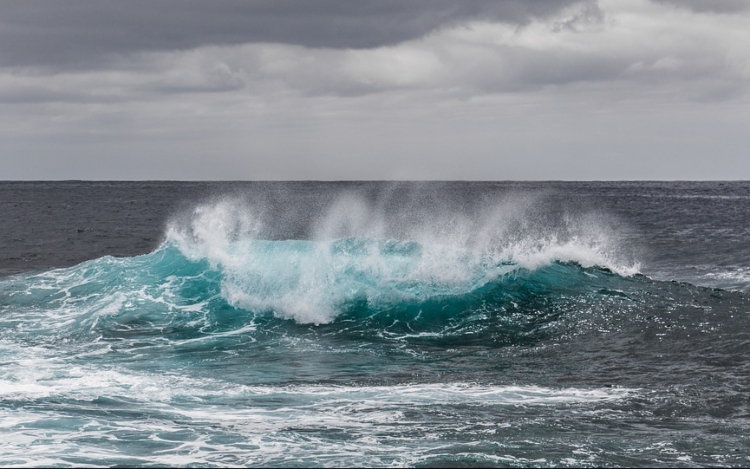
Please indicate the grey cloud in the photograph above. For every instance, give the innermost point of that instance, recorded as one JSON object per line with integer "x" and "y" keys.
{"x": 590, "y": 14}
{"x": 36, "y": 96}
{"x": 710, "y": 6}
{"x": 89, "y": 33}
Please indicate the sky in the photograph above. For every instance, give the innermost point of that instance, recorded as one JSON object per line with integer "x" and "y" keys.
{"x": 375, "y": 89}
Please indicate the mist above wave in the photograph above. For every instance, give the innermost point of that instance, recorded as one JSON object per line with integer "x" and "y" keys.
{"x": 370, "y": 252}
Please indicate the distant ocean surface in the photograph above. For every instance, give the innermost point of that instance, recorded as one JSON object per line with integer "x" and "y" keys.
{"x": 375, "y": 324}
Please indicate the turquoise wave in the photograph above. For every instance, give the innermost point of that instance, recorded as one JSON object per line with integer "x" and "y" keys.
{"x": 351, "y": 287}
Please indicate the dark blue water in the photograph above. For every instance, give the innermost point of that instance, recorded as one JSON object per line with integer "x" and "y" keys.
{"x": 374, "y": 324}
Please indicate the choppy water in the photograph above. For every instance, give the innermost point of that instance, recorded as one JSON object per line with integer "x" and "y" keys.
{"x": 373, "y": 324}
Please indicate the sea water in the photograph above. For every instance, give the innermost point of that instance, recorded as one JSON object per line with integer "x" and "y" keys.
{"x": 374, "y": 324}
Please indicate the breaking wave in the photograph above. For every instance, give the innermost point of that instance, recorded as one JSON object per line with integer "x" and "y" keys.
{"x": 217, "y": 281}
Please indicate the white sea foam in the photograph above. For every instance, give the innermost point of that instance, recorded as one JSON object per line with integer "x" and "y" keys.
{"x": 183, "y": 420}
{"x": 98, "y": 412}
{"x": 733, "y": 278}
{"x": 35, "y": 374}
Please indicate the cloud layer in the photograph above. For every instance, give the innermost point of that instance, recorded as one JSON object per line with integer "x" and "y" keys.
{"x": 85, "y": 33}
{"x": 324, "y": 90}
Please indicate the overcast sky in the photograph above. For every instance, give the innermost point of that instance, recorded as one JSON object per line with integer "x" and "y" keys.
{"x": 375, "y": 89}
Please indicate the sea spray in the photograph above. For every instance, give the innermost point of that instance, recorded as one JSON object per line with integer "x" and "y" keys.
{"x": 360, "y": 254}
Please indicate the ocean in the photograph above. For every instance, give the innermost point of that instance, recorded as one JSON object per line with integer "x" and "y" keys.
{"x": 375, "y": 324}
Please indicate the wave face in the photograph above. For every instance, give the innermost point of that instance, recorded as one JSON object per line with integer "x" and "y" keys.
{"x": 431, "y": 264}
{"x": 213, "y": 273}
{"x": 387, "y": 285}
{"x": 416, "y": 338}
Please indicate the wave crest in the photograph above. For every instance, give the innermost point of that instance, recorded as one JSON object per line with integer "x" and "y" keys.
{"x": 360, "y": 255}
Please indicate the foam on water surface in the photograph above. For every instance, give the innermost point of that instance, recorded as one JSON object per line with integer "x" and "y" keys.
{"x": 382, "y": 332}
